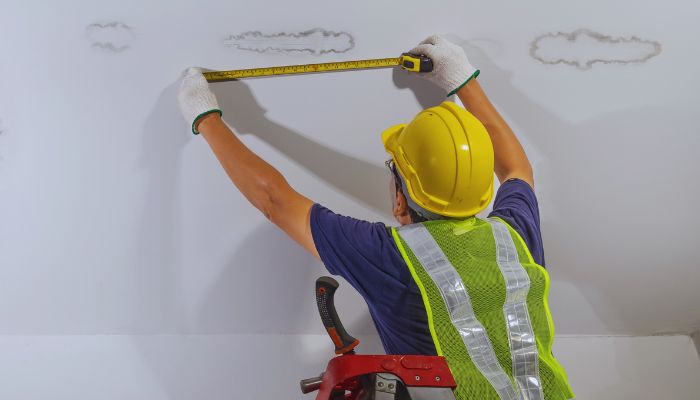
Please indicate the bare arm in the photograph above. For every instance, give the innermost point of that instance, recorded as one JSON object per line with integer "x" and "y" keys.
{"x": 259, "y": 182}
{"x": 510, "y": 158}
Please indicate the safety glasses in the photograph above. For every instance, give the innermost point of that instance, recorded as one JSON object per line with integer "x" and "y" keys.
{"x": 394, "y": 172}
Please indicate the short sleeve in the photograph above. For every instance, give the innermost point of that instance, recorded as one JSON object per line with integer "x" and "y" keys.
{"x": 362, "y": 252}
{"x": 516, "y": 204}
{"x": 365, "y": 254}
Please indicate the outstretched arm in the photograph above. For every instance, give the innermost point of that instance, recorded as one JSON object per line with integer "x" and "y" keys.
{"x": 509, "y": 156}
{"x": 453, "y": 72}
{"x": 258, "y": 181}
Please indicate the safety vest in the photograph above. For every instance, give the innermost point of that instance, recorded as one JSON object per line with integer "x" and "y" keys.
{"x": 486, "y": 301}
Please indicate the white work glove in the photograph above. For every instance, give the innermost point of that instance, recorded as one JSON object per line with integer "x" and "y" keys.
{"x": 451, "y": 69}
{"x": 196, "y": 99}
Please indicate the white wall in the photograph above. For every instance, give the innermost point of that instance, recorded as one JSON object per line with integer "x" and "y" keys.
{"x": 122, "y": 240}
{"x": 263, "y": 367}
{"x": 114, "y": 219}
{"x": 658, "y": 367}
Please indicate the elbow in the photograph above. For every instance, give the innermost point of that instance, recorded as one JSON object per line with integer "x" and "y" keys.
{"x": 270, "y": 199}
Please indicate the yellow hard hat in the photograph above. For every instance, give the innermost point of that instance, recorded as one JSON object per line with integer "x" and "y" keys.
{"x": 445, "y": 159}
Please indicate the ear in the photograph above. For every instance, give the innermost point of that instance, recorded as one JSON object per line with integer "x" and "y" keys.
{"x": 401, "y": 209}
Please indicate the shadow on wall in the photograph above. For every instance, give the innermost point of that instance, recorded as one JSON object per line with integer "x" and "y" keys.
{"x": 251, "y": 279}
{"x": 365, "y": 182}
{"x": 356, "y": 178}
{"x": 158, "y": 305}
{"x": 239, "y": 302}
{"x": 427, "y": 94}
{"x": 230, "y": 308}
{"x": 587, "y": 165}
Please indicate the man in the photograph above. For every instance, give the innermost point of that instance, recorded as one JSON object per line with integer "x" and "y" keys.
{"x": 445, "y": 283}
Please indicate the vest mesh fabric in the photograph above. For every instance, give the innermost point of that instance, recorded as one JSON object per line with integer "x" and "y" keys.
{"x": 470, "y": 247}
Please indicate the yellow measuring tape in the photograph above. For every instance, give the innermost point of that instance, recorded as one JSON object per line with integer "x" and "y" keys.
{"x": 409, "y": 62}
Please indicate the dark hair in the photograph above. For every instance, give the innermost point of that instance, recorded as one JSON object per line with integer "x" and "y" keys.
{"x": 415, "y": 216}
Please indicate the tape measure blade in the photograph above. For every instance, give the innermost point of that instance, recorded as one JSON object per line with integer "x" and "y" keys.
{"x": 222, "y": 76}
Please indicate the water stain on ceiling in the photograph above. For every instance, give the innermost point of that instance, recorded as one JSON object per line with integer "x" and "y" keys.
{"x": 114, "y": 36}
{"x": 583, "y": 48}
{"x": 315, "y": 41}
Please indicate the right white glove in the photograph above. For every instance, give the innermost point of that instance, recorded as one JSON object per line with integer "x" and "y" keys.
{"x": 196, "y": 99}
{"x": 451, "y": 69}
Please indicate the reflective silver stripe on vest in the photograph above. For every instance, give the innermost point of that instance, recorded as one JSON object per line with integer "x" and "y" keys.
{"x": 459, "y": 306}
{"x": 523, "y": 347}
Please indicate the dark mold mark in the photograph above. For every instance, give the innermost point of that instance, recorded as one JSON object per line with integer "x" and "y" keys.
{"x": 108, "y": 25}
{"x": 111, "y": 36}
{"x": 315, "y": 41}
{"x": 584, "y": 47}
{"x": 110, "y": 47}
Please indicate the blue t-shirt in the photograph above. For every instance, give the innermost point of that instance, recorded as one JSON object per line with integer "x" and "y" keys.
{"x": 364, "y": 253}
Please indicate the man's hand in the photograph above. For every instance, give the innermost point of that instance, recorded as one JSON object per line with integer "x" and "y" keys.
{"x": 451, "y": 68}
{"x": 196, "y": 99}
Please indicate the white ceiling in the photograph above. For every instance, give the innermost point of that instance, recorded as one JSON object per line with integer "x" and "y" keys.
{"x": 115, "y": 220}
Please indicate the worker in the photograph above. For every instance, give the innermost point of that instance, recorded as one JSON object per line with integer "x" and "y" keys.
{"x": 445, "y": 282}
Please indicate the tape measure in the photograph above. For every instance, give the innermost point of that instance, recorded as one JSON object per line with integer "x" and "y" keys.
{"x": 407, "y": 61}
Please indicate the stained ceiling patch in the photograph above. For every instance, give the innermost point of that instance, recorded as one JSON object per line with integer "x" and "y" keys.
{"x": 114, "y": 36}
{"x": 584, "y": 48}
{"x": 313, "y": 41}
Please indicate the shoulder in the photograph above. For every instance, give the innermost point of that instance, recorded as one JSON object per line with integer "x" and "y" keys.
{"x": 359, "y": 251}
{"x": 327, "y": 226}
{"x": 516, "y": 203}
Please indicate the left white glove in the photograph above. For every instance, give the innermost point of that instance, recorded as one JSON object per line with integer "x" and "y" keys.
{"x": 196, "y": 99}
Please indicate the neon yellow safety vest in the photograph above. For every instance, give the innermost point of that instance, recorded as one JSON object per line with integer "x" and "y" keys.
{"x": 486, "y": 301}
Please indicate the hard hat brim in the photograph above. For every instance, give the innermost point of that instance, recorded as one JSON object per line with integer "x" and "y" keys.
{"x": 389, "y": 137}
